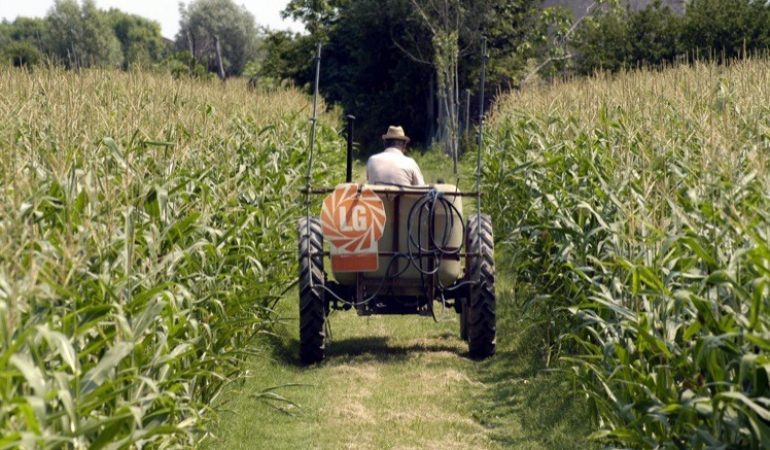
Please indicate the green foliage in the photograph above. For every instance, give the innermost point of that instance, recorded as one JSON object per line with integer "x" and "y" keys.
{"x": 205, "y": 20}
{"x": 182, "y": 64}
{"x": 82, "y": 36}
{"x": 317, "y": 15}
{"x": 378, "y": 58}
{"x": 287, "y": 56}
{"x": 21, "y": 54}
{"x": 5, "y": 33}
{"x": 655, "y": 36}
{"x": 85, "y": 36}
{"x": 652, "y": 35}
{"x": 636, "y": 214}
{"x": 23, "y": 41}
{"x": 602, "y": 42}
{"x": 140, "y": 39}
{"x": 32, "y": 30}
{"x": 726, "y": 27}
{"x": 147, "y": 229}
{"x": 517, "y": 32}
{"x": 361, "y": 69}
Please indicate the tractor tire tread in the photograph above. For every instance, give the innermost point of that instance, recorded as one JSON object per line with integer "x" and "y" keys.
{"x": 481, "y": 316}
{"x": 312, "y": 308}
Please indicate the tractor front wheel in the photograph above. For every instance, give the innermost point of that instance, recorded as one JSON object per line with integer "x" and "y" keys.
{"x": 312, "y": 307}
{"x": 479, "y": 307}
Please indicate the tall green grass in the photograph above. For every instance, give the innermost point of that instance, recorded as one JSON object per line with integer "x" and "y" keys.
{"x": 145, "y": 233}
{"x": 637, "y": 208}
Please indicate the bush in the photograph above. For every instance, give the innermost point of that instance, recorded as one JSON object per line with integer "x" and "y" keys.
{"x": 182, "y": 64}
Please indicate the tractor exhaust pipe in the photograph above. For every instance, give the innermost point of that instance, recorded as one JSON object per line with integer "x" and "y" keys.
{"x": 349, "y": 173}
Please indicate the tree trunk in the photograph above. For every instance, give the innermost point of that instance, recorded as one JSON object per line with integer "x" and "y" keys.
{"x": 431, "y": 128}
{"x": 446, "y": 48}
{"x": 467, "y": 117}
{"x": 443, "y": 18}
{"x": 220, "y": 67}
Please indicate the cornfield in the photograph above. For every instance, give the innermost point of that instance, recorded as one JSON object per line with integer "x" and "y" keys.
{"x": 636, "y": 210}
{"x": 146, "y": 230}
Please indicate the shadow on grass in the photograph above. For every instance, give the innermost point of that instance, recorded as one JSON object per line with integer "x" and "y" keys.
{"x": 378, "y": 348}
{"x": 285, "y": 349}
{"x": 526, "y": 404}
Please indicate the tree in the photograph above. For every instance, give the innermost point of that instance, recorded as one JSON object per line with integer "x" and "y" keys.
{"x": 378, "y": 61}
{"x": 206, "y": 21}
{"x": 32, "y": 30}
{"x": 602, "y": 42}
{"x": 286, "y": 56}
{"x": 317, "y": 15}
{"x": 21, "y": 54}
{"x": 726, "y": 27}
{"x": 654, "y": 35}
{"x": 362, "y": 69}
{"x": 518, "y": 33}
{"x": 82, "y": 36}
{"x": 5, "y": 34}
{"x": 514, "y": 28}
{"x": 140, "y": 39}
{"x": 444, "y": 18}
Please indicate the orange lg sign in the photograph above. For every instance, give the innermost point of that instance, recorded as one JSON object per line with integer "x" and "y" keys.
{"x": 353, "y": 219}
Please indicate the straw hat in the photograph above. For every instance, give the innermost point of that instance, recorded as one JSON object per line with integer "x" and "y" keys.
{"x": 396, "y": 133}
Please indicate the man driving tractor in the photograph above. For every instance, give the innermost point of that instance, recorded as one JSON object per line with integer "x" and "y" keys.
{"x": 392, "y": 166}
{"x": 395, "y": 249}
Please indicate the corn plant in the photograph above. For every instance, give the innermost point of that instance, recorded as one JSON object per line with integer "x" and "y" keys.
{"x": 637, "y": 210}
{"x": 146, "y": 231}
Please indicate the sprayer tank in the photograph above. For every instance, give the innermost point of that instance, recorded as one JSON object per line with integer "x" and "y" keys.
{"x": 404, "y": 232}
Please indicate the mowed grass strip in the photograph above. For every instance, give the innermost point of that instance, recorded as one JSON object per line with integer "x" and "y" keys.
{"x": 387, "y": 382}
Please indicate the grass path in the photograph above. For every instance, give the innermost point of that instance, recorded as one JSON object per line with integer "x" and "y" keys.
{"x": 401, "y": 383}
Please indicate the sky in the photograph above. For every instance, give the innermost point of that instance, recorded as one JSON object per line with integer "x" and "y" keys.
{"x": 266, "y": 12}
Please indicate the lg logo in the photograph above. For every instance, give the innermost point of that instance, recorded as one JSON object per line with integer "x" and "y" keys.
{"x": 353, "y": 220}
{"x": 357, "y": 220}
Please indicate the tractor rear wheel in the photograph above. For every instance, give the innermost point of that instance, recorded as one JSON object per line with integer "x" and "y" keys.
{"x": 312, "y": 305}
{"x": 479, "y": 307}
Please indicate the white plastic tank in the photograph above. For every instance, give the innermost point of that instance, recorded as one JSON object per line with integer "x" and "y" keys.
{"x": 402, "y": 235}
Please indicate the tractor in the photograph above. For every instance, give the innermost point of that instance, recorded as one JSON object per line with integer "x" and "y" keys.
{"x": 394, "y": 250}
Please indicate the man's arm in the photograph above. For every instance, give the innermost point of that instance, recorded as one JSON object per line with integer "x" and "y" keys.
{"x": 417, "y": 179}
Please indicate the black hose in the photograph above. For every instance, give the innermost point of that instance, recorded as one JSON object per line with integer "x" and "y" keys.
{"x": 416, "y": 249}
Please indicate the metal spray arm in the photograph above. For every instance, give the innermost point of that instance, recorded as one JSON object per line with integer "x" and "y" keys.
{"x": 484, "y": 57}
{"x": 313, "y": 122}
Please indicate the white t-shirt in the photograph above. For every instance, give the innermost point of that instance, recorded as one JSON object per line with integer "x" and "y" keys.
{"x": 393, "y": 167}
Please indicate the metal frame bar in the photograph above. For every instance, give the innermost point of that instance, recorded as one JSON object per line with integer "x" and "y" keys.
{"x": 325, "y": 190}
{"x": 396, "y": 238}
{"x": 455, "y": 257}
